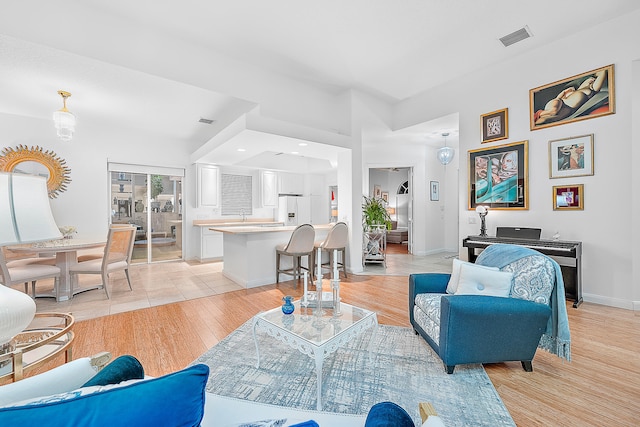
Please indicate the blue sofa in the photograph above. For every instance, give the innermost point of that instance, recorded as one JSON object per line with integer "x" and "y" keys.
{"x": 463, "y": 328}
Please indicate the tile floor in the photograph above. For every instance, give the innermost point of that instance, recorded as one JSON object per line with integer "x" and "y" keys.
{"x": 164, "y": 283}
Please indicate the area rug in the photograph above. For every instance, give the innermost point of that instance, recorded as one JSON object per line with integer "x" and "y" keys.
{"x": 401, "y": 368}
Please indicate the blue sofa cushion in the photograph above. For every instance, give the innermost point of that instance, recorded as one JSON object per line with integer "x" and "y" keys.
{"x": 175, "y": 399}
{"x": 388, "y": 414}
{"x": 123, "y": 368}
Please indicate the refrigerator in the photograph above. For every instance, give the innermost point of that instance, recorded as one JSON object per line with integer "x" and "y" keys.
{"x": 294, "y": 210}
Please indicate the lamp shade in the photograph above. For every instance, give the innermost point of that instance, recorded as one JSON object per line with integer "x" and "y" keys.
{"x": 445, "y": 155}
{"x": 25, "y": 213}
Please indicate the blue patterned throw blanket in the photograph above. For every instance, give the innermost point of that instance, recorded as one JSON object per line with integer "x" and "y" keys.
{"x": 556, "y": 338}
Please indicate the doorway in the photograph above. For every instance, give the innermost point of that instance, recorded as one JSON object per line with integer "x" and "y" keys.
{"x": 153, "y": 203}
{"x": 393, "y": 184}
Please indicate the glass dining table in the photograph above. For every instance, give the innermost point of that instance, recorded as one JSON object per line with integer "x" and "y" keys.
{"x": 66, "y": 253}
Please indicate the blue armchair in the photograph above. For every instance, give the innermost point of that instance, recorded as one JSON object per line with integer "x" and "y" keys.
{"x": 465, "y": 329}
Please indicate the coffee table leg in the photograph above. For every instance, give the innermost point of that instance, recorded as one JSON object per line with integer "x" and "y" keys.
{"x": 319, "y": 359}
{"x": 255, "y": 341}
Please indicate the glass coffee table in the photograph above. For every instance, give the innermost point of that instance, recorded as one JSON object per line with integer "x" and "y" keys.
{"x": 315, "y": 336}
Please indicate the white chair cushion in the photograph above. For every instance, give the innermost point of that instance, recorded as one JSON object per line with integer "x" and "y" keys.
{"x": 481, "y": 281}
{"x": 30, "y": 272}
{"x": 455, "y": 274}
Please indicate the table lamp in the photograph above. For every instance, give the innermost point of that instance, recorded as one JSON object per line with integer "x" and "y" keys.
{"x": 25, "y": 217}
{"x": 482, "y": 211}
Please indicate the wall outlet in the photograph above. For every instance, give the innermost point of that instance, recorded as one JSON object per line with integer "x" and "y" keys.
{"x": 472, "y": 220}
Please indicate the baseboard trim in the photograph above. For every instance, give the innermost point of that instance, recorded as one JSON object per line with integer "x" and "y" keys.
{"x": 612, "y": 302}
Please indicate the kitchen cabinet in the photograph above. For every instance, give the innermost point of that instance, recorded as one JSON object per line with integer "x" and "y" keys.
{"x": 290, "y": 183}
{"x": 211, "y": 245}
{"x": 208, "y": 193}
{"x": 269, "y": 189}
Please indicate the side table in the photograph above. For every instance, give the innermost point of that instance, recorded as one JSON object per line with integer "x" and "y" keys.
{"x": 48, "y": 335}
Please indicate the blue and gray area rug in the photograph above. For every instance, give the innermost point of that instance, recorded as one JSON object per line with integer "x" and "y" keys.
{"x": 402, "y": 368}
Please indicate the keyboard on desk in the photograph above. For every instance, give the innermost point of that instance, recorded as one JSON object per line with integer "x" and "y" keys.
{"x": 547, "y": 247}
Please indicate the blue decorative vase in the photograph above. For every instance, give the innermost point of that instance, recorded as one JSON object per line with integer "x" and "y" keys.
{"x": 287, "y": 305}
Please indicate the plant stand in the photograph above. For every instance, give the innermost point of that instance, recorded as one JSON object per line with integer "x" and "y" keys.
{"x": 374, "y": 245}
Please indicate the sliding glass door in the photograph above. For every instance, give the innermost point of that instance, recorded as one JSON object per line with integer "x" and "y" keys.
{"x": 153, "y": 203}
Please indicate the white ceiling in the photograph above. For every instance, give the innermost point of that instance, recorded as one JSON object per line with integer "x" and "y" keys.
{"x": 391, "y": 49}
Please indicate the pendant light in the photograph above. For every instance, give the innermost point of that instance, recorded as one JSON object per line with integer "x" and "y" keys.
{"x": 445, "y": 154}
{"x": 65, "y": 121}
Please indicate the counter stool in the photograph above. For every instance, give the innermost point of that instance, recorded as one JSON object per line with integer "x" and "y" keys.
{"x": 337, "y": 239}
{"x": 300, "y": 245}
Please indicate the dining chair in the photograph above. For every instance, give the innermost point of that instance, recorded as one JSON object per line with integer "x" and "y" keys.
{"x": 116, "y": 257}
{"x": 25, "y": 271}
{"x": 300, "y": 245}
{"x": 336, "y": 240}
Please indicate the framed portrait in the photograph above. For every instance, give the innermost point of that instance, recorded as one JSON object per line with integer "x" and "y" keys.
{"x": 377, "y": 191}
{"x": 495, "y": 125}
{"x": 498, "y": 176}
{"x": 434, "y": 191}
{"x": 580, "y": 97}
{"x": 568, "y": 197}
{"x": 571, "y": 156}
{"x": 385, "y": 196}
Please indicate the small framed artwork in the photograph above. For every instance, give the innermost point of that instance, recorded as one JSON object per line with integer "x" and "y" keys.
{"x": 495, "y": 125}
{"x": 377, "y": 191}
{"x": 571, "y": 156}
{"x": 568, "y": 197}
{"x": 385, "y": 196}
{"x": 435, "y": 191}
{"x": 498, "y": 176}
{"x": 580, "y": 97}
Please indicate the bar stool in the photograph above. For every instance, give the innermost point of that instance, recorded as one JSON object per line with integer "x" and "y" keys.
{"x": 337, "y": 239}
{"x": 300, "y": 245}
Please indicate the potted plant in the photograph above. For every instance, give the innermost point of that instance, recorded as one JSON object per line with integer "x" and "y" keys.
{"x": 374, "y": 213}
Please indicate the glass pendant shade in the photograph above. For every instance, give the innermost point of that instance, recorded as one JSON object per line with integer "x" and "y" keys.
{"x": 445, "y": 155}
{"x": 64, "y": 121}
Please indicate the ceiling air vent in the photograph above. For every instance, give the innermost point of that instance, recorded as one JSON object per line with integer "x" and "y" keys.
{"x": 205, "y": 121}
{"x": 516, "y": 36}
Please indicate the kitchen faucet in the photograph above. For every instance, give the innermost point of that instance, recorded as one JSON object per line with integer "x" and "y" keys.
{"x": 244, "y": 215}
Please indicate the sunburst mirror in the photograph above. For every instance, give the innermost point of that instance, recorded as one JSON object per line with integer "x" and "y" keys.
{"x": 36, "y": 161}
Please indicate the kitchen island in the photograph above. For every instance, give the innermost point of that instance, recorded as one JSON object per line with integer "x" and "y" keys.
{"x": 250, "y": 251}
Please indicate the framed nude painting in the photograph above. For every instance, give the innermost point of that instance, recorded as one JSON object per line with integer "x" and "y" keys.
{"x": 495, "y": 125}
{"x": 571, "y": 156}
{"x": 498, "y": 176}
{"x": 580, "y": 97}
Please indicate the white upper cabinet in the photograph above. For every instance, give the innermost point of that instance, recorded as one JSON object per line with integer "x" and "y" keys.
{"x": 269, "y": 189}
{"x": 208, "y": 186}
{"x": 291, "y": 183}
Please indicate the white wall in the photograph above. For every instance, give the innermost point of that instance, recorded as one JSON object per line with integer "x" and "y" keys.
{"x": 605, "y": 224}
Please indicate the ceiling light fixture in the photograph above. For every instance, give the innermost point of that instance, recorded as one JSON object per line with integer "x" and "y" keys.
{"x": 65, "y": 121}
{"x": 445, "y": 154}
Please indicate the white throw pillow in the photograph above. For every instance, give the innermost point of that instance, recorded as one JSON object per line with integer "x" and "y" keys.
{"x": 480, "y": 281}
{"x": 455, "y": 273}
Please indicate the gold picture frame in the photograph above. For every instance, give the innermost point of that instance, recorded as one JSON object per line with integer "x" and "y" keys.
{"x": 495, "y": 125}
{"x": 48, "y": 164}
{"x": 580, "y": 97}
{"x": 571, "y": 156}
{"x": 499, "y": 176}
{"x": 568, "y": 197}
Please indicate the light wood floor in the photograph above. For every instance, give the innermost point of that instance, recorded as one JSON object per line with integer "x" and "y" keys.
{"x": 600, "y": 387}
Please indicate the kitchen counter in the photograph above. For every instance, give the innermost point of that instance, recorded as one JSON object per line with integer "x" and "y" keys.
{"x": 249, "y": 252}
{"x": 265, "y": 228}
{"x": 233, "y": 223}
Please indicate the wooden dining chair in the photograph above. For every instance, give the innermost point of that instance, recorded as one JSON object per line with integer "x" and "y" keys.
{"x": 28, "y": 270}
{"x": 116, "y": 257}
